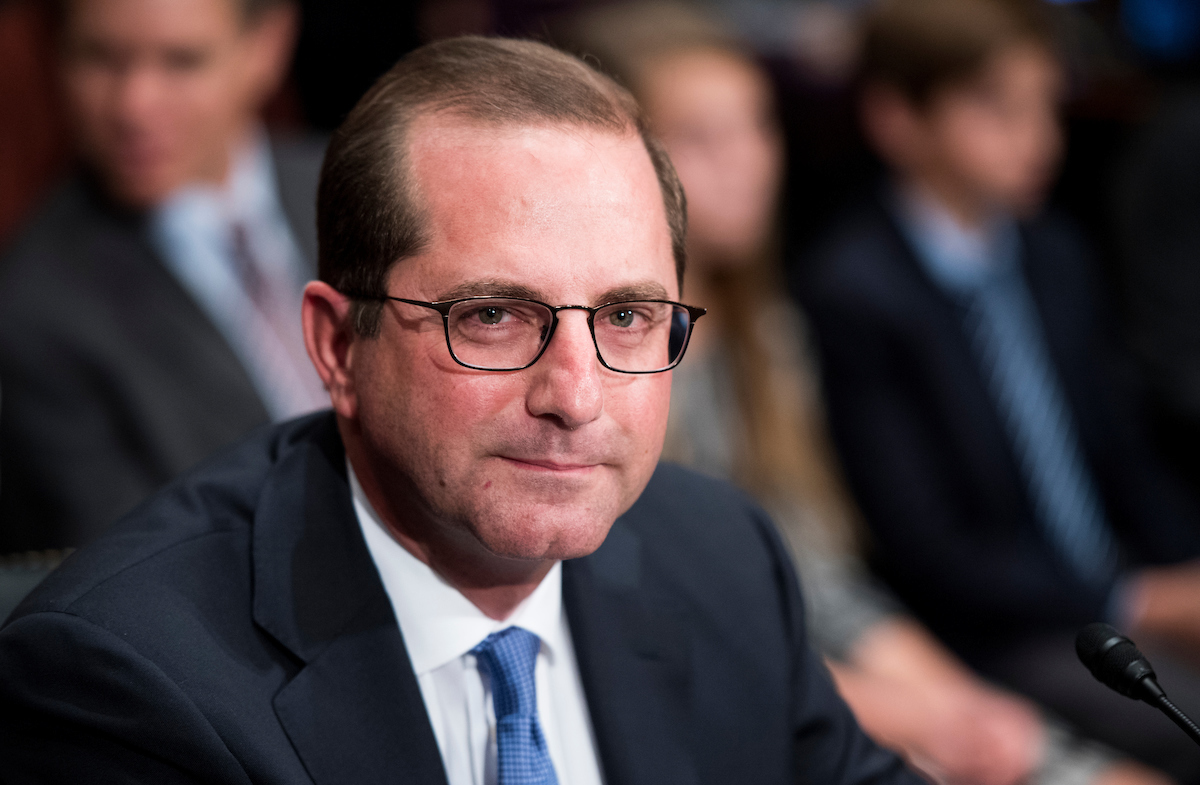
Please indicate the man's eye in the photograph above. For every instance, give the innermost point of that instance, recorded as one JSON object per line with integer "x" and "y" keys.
{"x": 622, "y": 318}
{"x": 182, "y": 60}
{"x": 491, "y": 315}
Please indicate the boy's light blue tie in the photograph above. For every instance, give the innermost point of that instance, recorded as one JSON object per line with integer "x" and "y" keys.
{"x": 509, "y": 657}
{"x": 1005, "y": 331}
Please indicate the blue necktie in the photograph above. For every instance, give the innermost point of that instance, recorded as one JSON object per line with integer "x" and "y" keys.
{"x": 509, "y": 657}
{"x": 1005, "y": 330}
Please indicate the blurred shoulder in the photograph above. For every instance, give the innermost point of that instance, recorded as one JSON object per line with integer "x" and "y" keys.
{"x": 705, "y": 550}
{"x": 686, "y": 489}
{"x": 1059, "y": 258}
{"x": 1053, "y": 233}
{"x": 68, "y": 215}
{"x": 862, "y": 255}
{"x": 75, "y": 249}
{"x": 700, "y": 519}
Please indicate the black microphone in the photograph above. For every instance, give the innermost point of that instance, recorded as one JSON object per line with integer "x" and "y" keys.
{"x": 1116, "y": 662}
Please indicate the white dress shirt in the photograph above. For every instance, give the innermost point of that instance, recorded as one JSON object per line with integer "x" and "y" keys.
{"x": 441, "y": 626}
{"x": 956, "y": 256}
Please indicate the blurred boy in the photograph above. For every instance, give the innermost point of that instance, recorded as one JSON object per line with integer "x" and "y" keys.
{"x": 994, "y": 459}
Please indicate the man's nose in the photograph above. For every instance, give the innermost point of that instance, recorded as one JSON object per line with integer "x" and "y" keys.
{"x": 138, "y": 90}
{"x": 567, "y": 383}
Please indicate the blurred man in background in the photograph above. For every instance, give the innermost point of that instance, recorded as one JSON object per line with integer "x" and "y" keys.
{"x": 149, "y": 312}
{"x": 993, "y": 454}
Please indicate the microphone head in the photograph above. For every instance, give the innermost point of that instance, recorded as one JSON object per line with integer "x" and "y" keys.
{"x": 1094, "y": 639}
{"x": 1116, "y": 662}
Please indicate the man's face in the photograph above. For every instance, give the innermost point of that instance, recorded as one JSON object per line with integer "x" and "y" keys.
{"x": 532, "y": 464}
{"x": 714, "y": 114}
{"x": 161, "y": 91}
{"x": 999, "y": 133}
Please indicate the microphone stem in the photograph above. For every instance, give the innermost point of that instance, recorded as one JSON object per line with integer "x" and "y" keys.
{"x": 1179, "y": 718}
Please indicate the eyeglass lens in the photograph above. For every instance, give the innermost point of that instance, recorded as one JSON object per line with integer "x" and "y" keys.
{"x": 499, "y": 333}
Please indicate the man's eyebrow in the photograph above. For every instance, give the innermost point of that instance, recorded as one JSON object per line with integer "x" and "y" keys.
{"x": 648, "y": 290}
{"x": 490, "y": 289}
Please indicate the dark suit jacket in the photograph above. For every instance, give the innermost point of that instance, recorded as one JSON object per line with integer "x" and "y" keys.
{"x": 234, "y": 629}
{"x": 114, "y": 378}
{"x": 927, "y": 454}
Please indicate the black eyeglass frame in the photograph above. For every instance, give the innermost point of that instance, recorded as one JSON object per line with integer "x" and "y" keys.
{"x": 443, "y": 307}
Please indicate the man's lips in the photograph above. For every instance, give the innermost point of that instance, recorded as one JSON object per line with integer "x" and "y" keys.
{"x": 549, "y": 465}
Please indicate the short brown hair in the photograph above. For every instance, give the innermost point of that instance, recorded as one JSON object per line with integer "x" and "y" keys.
{"x": 367, "y": 215}
{"x": 920, "y": 46}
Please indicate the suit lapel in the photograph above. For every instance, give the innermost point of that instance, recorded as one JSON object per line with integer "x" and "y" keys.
{"x": 176, "y": 413}
{"x": 353, "y": 711}
{"x": 633, "y": 657}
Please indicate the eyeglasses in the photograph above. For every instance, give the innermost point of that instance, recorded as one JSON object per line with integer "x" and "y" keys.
{"x": 512, "y": 333}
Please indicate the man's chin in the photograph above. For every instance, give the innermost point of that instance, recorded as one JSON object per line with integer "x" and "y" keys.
{"x": 540, "y": 534}
{"x": 141, "y": 189}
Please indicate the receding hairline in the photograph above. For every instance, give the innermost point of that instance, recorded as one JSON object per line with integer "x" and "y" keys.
{"x": 441, "y": 119}
{"x": 456, "y": 118}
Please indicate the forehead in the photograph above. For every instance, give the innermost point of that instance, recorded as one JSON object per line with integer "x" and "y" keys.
{"x": 699, "y": 79}
{"x": 564, "y": 211}
{"x": 153, "y": 22}
{"x": 1028, "y": 65}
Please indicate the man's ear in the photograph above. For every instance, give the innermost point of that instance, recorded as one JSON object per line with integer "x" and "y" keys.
{"x": 330, "y": 339}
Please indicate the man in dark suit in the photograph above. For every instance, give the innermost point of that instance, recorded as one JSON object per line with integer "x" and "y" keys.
{"x": 471, "y": 571}
{"x": 971, "y": 396}
{"x": 137, "y": 310}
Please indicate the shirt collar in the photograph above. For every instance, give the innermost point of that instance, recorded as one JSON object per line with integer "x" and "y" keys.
{"x": 438, "y": 623}
{"x": 957, "y": 257}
